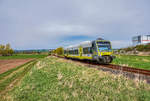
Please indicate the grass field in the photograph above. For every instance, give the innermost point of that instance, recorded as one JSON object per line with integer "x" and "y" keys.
{"x": 133, "y": 61}
{"x": 23, "y": 56}
{"x": 54, "y": 79}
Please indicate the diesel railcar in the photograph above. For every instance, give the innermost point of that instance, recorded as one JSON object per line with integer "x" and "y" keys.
{"x": 99, "y": 50}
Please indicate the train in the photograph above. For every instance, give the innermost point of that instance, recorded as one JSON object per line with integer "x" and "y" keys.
{"x": 98, "y": 50}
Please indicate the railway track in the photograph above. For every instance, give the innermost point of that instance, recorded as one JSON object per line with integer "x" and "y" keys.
{"x": 140, "y": 74}
{"x": 122, "y": 68}
{"x": 129, "y": 69}
{"x": 117, "y": 67}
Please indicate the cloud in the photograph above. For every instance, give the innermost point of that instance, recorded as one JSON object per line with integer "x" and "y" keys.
{"x": 28, "y": 24}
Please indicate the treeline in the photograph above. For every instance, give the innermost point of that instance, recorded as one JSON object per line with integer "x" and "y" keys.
{"x": 32, "y": 51}
{"x": 6, "y": 50}
{"x": 27, "y": 52}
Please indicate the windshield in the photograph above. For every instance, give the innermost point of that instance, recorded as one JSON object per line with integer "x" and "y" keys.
{"x": 104, "y": 46}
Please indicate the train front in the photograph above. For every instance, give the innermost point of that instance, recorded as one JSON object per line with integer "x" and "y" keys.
{"x": 105, "y": 51}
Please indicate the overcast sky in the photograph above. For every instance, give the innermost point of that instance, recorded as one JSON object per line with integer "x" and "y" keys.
{"x": 38, "y": 24}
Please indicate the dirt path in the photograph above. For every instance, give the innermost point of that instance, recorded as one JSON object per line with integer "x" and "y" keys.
{"x": 6, "y": 65}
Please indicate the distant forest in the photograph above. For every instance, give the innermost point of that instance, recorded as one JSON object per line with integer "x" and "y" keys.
{"x": 32, "y": 51}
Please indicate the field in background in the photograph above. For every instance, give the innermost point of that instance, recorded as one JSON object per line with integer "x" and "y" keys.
{"x": 9, "y": 62}
{"x": 12, "y": 68}
{"x": 10, "y": 78}
{"x": 23, "y": 56}
{"x": 133, "y": 61}
{"x": 6, "y": 65}
{"x": 57, "y": 79}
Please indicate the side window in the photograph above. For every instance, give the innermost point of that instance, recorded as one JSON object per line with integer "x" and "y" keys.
{"x": 69, "y": 52}
{"x": 84, "y": 51}
{"x": 91, "y": 50}
{"x": 87, "y": 50}
{"x": 93, "y": 46}
{"x": 76, "y": 51}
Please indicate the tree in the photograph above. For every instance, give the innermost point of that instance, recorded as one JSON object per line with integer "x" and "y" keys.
{"x": 2, "y": 50}
{"x": 59, "y": 51}
{"x": 6, "y": 50}
{"x": 11, "y": 51}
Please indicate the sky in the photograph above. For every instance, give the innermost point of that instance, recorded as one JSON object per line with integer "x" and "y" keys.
{"x": 48, "y": 24}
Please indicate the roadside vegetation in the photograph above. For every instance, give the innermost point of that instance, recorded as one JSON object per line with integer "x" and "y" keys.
{"x": 142, "y": 62}
{"x": 57, "y": 79}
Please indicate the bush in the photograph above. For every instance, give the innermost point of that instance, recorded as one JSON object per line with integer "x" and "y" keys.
{"x": 128, "y": 49}
{"x": 139, "y": 47}
{"x": 147, "y": 47}
{"x": 143, "y": 47}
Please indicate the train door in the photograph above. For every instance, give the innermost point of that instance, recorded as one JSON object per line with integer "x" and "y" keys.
{"x": 80, "y": 51}
{"x": 94, "y": 51}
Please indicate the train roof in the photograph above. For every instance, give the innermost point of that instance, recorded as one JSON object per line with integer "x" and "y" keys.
{"x": 83, "y": 44}
{"x": 72, "y": 46}
{"x": 86, "y": 44}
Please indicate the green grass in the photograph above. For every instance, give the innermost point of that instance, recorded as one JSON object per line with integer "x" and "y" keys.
{"x": 23, "y": 56}
{"x": 142, "y": 62}
{"x": 54, "y": 79}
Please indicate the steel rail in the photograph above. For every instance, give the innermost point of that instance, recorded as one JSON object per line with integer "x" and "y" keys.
{"x": 129, "y": 69}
